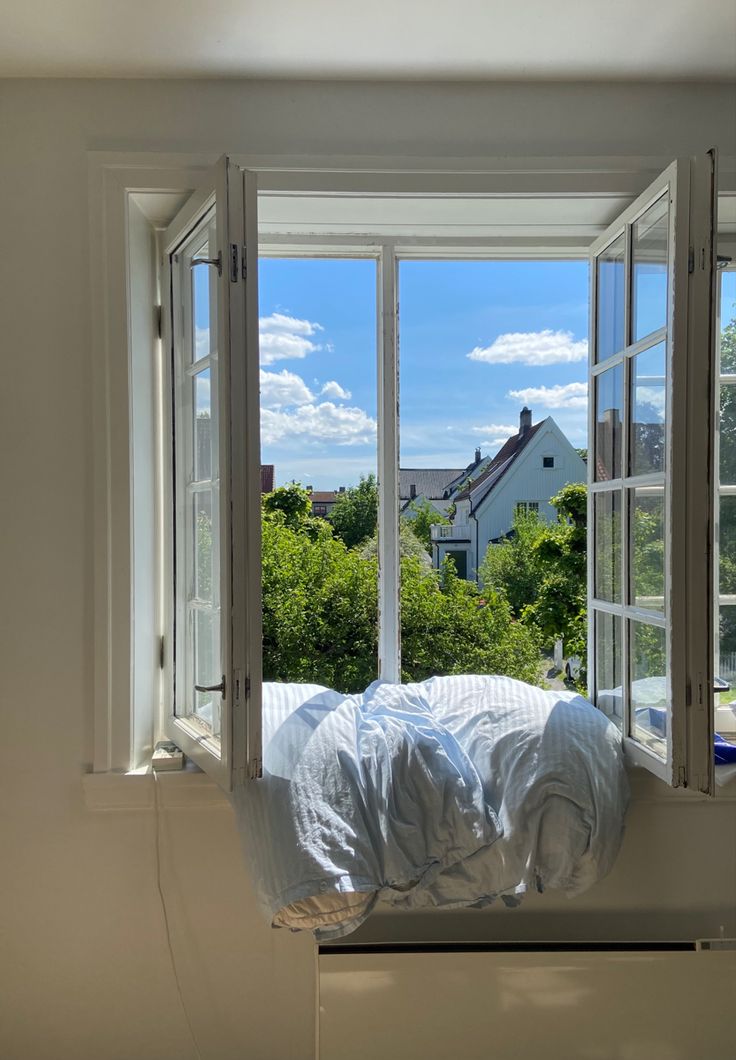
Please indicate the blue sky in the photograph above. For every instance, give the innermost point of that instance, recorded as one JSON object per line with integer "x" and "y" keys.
{"x": 477, "y": 341}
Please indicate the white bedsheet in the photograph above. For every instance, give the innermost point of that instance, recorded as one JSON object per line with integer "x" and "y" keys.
{"x": 450, "y": 792}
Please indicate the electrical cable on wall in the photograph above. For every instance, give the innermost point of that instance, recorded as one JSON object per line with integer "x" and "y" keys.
{"x": 167, "y": 928}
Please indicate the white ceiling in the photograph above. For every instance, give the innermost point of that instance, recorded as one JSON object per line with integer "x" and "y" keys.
{"x": 388, "y": 39}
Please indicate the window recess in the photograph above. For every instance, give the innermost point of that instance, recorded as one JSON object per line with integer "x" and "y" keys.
{"x": 650, "y": 473}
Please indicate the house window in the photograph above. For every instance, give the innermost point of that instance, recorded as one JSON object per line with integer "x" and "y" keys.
{"x": 548, "y": 461}
{"x": 526, "y": 507}
{"x": 233, "y": 705}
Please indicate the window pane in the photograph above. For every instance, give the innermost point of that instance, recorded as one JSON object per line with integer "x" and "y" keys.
{"x": 727, "y": 436}
{"x": 648, "y": 411}
{"x": 728, "y": 321}
{"x": 608, "y": 663}
{"x": 207, "y": 664}
{"x": 203, "y": 561}
{"x": 649, "y": 695}
{"x": 727, "y": 546}
{"x": 611, "y": 299}
{"x": 647, "y": 547}
{"x": 727, "y": 646}
{"x": 202, "y": 407}
{"x": 649, "y": 249}
{"x": 608, "y": 546}
{"x": 609, "y": 392}
{"x": 201, "y": 279}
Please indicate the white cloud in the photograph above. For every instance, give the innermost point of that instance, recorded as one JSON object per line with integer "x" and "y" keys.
{"x": 493, "y": 430}
{"x": 569, "y": 396}
{"x": 323, "y": 422}
{"x": 493, "y": 443}
{"x": 283, "y": 388}
{"x": 533, "y": 348}
{"x": 650, "y": 398}
{"x": 334, "y": 390}
{"x": 286, "y": 338}
{"x": 201, "y": 343}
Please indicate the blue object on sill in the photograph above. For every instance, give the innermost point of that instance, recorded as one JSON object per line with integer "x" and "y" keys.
{"x": 725, "y": 752}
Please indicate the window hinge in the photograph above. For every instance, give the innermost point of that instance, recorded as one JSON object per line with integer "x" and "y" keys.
{"x": 157, "y": 320}
{"x": 691, "y": 260}
{"x": 161, "y": 652}
{"x": 234, "y": 270}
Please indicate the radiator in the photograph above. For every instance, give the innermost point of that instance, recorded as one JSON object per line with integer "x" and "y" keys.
{"x": 619, "y": 1001}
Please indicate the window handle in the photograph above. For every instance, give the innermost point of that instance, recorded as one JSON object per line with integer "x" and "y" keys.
{"x": 217, "y": 262}
{"x": 212, "y": 688}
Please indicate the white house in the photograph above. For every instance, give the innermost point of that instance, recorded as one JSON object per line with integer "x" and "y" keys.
{"x": 527, "y": 471}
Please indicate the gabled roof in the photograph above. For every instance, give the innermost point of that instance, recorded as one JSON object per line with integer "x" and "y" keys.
{"x": 323, "y": 497}
{"x": 500, "y": 464}
{"x": 431, "y": 482}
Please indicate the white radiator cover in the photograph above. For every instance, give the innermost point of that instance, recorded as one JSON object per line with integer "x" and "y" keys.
{"x": 610, "y": 1005}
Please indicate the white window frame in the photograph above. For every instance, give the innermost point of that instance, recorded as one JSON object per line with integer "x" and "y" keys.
{"x": 125, "y": 726}
{"x": 688, "y": 477}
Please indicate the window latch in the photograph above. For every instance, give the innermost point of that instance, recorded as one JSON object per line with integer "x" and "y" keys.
{"x": 217, "y": 262}
{"x": 212, "y": 688}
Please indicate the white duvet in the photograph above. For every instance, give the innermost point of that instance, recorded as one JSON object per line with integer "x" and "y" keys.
{"x": 451, "y": 792}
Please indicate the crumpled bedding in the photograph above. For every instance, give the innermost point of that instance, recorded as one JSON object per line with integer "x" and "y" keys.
{"x": 451, "y": 792}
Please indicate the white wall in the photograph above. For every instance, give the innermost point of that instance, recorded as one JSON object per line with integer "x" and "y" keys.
{"x": 85, "y": 971}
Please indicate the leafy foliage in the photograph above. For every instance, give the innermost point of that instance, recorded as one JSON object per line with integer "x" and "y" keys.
{"x": 409, "y": 546}
{"x": 320, "y": 605}
{"x": 421, "y": 522}
{"x": 541, "y": 571}
{"x": 355, "y": 515}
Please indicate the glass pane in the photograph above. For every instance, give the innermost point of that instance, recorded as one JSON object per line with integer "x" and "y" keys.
{"x": 202, "y": 405}
{"x": 649, "y": 695}
{"x": 203, "y": 563}
{"x": 649, "y": 249}
{"x": 727, "y": 546}
{"x": 648, "y": 401}
{"x": 647, "y": 547}
{"x": 201, "y": 280}
{"x": 609, "y": 393}
{"x": 727, "y": 436}
{"x": 726, "y": 668}
{"x": 608, "y": 656}
{"x": 608, "y": 546}
{"x": 207, "y": 663}
{"x": 728, "y": 321}
{"x": 611, "y": 299}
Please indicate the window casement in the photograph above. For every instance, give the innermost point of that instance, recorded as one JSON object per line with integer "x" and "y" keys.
{"x": 650, "y": 473}
{"x": 210, "y": 477}
{"x": 212, "y": 554}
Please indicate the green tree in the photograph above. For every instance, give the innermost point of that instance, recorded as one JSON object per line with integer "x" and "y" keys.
{"x": 409, "y": 545}
{"x": 293, "y": 503}
{"x": 447, "y": 627}
{"x": 512, "y": 567}
{"x": 421, "y": 523}
{"x": 355, "y": 515}
{"x": 560, "y": 608}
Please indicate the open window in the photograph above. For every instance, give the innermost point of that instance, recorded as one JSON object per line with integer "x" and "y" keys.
{"x": 651, "y": 474}
{"x": 211, "y": 477}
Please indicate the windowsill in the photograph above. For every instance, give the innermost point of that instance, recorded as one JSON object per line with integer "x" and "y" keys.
{"x": 183, "y": 789}
{"x": 191, "y": 788}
